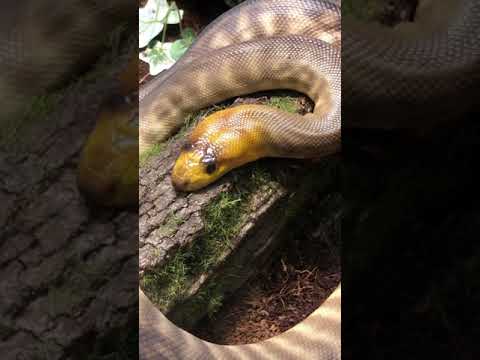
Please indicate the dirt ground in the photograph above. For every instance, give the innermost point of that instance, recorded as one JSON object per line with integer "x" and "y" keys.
{"x": 299, "y": 277}
{"x": 278, "y": 299}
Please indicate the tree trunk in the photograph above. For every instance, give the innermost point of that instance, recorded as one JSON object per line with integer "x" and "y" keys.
{"x": 69, "y": 271}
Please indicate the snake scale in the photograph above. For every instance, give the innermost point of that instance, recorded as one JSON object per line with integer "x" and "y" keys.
{"x": 415, "y": 75}
{"x": 258, "y": 45}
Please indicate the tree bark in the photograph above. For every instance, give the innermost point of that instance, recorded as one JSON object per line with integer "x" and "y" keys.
{"x": 69, "y": 271}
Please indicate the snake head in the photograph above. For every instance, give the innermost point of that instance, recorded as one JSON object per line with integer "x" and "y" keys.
{"x": 196, "y": 167}
{"x": 108, "y": 169}
{"x": 221, "y": 142}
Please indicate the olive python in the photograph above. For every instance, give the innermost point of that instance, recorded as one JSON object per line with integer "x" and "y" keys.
{"x": 258, "y": 45}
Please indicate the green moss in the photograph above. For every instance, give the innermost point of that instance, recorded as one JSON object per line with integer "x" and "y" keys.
{"x": 169, "y": 227}
{"x": 166, "y": 285}
{"x": 259, "y": 176}
{"x": 214, "y": 303}
{"x": 44, "y": 105}
{"x": 209, "y": 299}
{"x": 285, "y": 103}
{"x": 13, "y": 131}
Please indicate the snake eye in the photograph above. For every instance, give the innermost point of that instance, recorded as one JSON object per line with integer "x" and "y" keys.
{"x": 211, "y": 167}
{"x": 210, "y": 164}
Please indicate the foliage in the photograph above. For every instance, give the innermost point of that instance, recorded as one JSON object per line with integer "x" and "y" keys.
{"x": 154, "y": 19}
{"x": 285, "y": 103}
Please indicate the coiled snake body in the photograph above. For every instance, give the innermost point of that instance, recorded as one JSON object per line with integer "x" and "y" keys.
{"x": 258, "y": 45}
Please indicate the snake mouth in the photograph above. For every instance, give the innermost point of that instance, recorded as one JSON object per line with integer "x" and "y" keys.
{"x": 180, "y": 184}
{"x": 195, "y": 168}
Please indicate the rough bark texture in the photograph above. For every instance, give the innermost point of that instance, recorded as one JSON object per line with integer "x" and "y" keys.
{"x": 68, "y": 270}
{"x": 159, "y": 204}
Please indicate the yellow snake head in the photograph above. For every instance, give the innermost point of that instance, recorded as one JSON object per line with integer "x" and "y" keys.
{"x": 221, "y": 142}
{"x": 108, "y": 169}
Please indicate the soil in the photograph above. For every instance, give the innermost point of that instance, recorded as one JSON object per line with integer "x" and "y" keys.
{"x": 295, "y": 283}
{"x": 278, "y": 299}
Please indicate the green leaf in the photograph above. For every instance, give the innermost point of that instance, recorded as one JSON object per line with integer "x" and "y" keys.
{"x": 178, "y": 49}
{"x": 153, "y": 17}
{"x": 188, "y": 34}
{"x": 174, "y": 15}
{"x": 158, "y": 57}
{"x": 180, "y": 46}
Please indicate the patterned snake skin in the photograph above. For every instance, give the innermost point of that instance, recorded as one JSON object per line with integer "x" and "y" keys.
{"x": 407, "y": 76}
{"x": 44, "y": 44}
{"x": 258, "y": 45}
{"x": 278, "y": 45}
{"x": 316, "y": 337}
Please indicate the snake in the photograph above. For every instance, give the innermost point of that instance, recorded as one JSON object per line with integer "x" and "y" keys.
{"x": 43, "y": 47}
{"x": 407, "y": 76}
{"x": 290, "y": 45}
{"x": 391, "y": 78}
{"x": 257, "y": 45}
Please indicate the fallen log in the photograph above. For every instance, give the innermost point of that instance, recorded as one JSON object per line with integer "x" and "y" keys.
{"x": 198, "y": 248}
